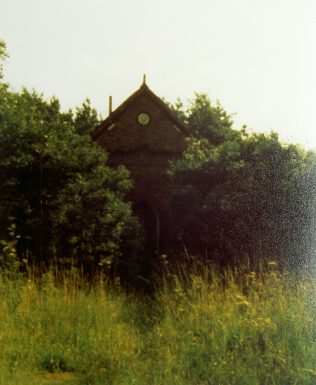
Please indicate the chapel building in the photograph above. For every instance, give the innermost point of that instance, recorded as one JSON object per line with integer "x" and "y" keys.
{"x": 144, "y": 135}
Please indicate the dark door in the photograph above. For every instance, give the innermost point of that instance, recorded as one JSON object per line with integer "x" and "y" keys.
{"x": 149, "y": 221}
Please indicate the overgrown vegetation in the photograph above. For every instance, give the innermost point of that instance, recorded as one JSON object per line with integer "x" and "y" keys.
{"x": 241, "y": 328}
{"x": 246, "y": 196}
{"x": 237, "y": 196}
{"x": 65, "y": 203}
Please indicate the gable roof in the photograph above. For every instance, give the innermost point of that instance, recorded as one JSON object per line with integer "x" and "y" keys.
{"x": 143, "y": 90}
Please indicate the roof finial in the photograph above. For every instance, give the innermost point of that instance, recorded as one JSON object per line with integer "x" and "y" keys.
{"x": 144, "y": 79}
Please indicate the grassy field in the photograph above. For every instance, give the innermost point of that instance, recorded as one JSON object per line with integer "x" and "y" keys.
{"x": 242, "y": 330}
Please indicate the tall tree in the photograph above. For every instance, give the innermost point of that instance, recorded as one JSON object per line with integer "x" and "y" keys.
{"x": 55, "y": 184}
{"x": 240, "y": 195}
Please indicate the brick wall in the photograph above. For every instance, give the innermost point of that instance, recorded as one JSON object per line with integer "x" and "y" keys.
{"x": 146, "y": 151}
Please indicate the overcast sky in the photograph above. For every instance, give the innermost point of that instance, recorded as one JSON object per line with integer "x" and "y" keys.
{"x": 257, "y": 57}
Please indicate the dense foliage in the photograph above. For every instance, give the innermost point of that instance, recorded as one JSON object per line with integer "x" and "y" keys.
{"x": 240, "y": 195}
{"x": 236, "y": 195}
{"x": 56, "y": 188}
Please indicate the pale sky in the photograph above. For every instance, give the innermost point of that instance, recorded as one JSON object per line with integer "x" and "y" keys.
{"x": 257, "y": 57}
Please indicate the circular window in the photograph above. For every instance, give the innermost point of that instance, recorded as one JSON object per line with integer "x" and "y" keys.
{"x": 143, "y": 118}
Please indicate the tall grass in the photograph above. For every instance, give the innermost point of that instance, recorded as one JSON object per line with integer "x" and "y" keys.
{"x": 198, "y": 329}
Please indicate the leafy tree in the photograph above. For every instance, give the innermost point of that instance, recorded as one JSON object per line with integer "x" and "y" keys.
{"x": 85, "y": 118}
{"x": 56, "y": 187}
{"x": 205, "y": 119}
{"x": 243, "y": 195}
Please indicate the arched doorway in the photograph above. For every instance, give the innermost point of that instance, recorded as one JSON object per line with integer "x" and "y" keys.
{"x": 149, "y": 221}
